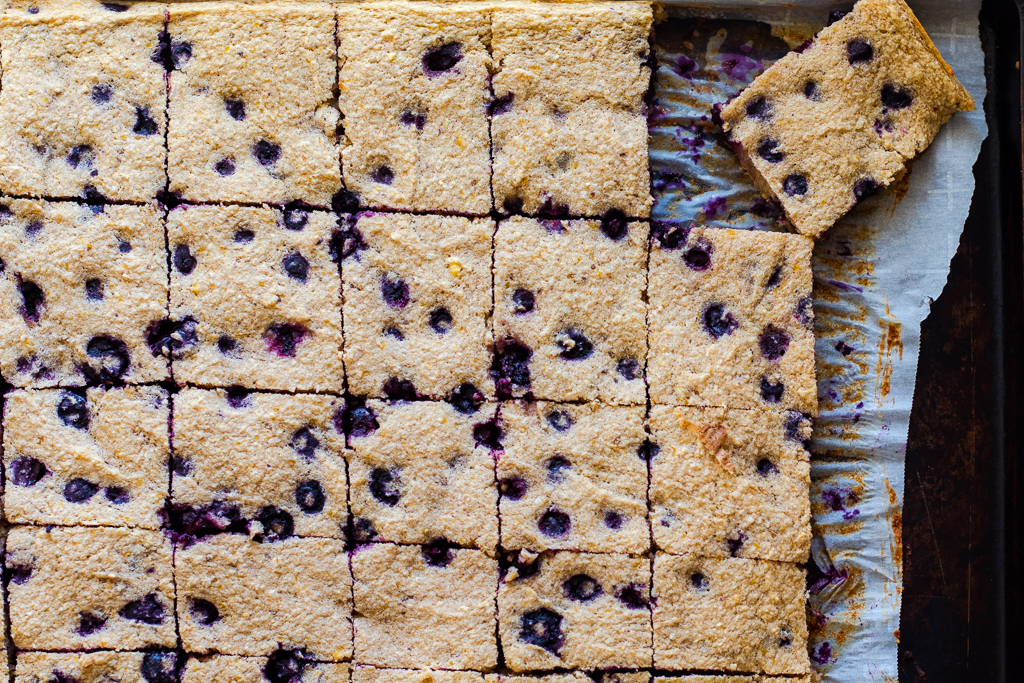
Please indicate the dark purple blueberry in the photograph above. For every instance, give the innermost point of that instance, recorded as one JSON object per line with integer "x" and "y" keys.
{"x": 574, "y": 345}
{"x": 383, "y": 175}
{"x": 894, "y": 97}
{"x": 768, "y": 149}
{"x": 394, "y": 291}
{"x": 181, "y": 466}
{"x": 73, "y": 411}
{"x": 27, "y": 471}
{"x": 412, "y": 118}
{"x": 117, "y": 495}
{"x": 774, "y": 278}
{"x": 184, "y": 261}
{"x": 772, "y": 392}
{"x": 144, "y": 123}
{"x": 94, "y": 199}
{"x": 236, "y": 109}
{"x": 384, "y": 487}
{"x": 835, "y": 16}
{"x": 79, "y": 154}
{"x": 795, "y": 185}
{"x": 115, "y": 7}
{"x": 864, "y": 188}
{"x": 774, "y": 342}
{"x": 560, "y": 420}
{"x": 549, "y": 208}
{"x": 79, "y": 490}
{"x": 296, "y": 265}
{"x": 717, "y": 322}
{"x": 805, "y": 312}
{"x": 758, "y": 108}
{"x": 266, "y": 152}
{"x": 628, "y": 368}
{"x": 124, "y": 246}
{"x": 357, "y": 419}
{"x": 112, "y": 356}
{"x": 172, "y": 338}
{"x": 305, "y": 443}
{"x": 794, "y": 426}
{"x": 94, "y": 289}
{"x": 489, "y": 435}
{"x": 32, "y": 300}
{"x": 238, "y": 397}
{"x": 362, "y": 531}
{"x": 614, "y": 224}
{"x": 225, "y": 166}
{"x": 440, "y": 320}
{"x": 394, "y": 332}
{"x": 511, "y": 366}
{"x": 766, "y": 467}
{"x": 811, "y": 91}
{"x": 346, "y": 241}
{"x": 613, "y": 520}
{"x": 699, "y": 581}
{"x": 670, "y": 234}
{"x": 284, "y": 338}
{"x": 146, "y": 610}
{"x": 648, "y": 450}
{"x": 285, "y": 666}
{"x": 226, "y": 344}
{"x": 441, "y": 59}
{"x": 513, "y": 488}
{"x": 582, "y": 588}
{"x": 466, "y": 399}
{"x": 277, "y": 525}
{"x": 101, "y": 93}
{"x": 542, "y": 627}
{"x": 558, "y": 466}
{"x": 19, "y": 573}
{"x": 438, "y": 553}
{"x": 295, "y": 219}
{"x": 734, "y": 544}
{"x": 90, "y": 622}
{"x": 345, "y": 201}
{"x": 698, "y": 257}
{"x": 501, "y": 105}
{"x": 215, "y": 518}
{"x": 632, "y": 596}
{"x": 399, "y": 389}
{"x": 160, "y": 667}
{"x": 310, "y": 497}
{"x": 554, "y": 523}
{"x": 522, "y": 301}
{"x": 859, "y": 51}
{"x": 244, "y": 236}
{"x": 512, "y": 205}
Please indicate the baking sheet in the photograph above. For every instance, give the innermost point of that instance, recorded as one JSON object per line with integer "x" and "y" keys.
{"x": 876, "y": 274}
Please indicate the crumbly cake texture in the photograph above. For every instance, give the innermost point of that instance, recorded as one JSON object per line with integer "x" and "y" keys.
{"x": 425, "y": 474}
{"x": 568, "y": 123}
{"x": 570, "y": 677}
{"x": 730, "y": 614}
{"x": 96, "y": 667}
{"x": 84, "y": 103}
{"x": 370, "y": 674}
{"x": 282, "y": 665}
{"x": 732, "y": 679}
{"x": 417, "y": 305}
{"x": 87, "y": 588}
{"x": 576, "y": 610}
{"x": 569, "y": 312}
{"x": 80, "y": 288}
{"x": 273, "y": 459}
{"x": 415, "y": 88}
{"x": 822, "y": 129}
{"x": 255, "y": 298}
{"x": 730, "y": 482}
{"x": 97, "y": 457}
{"x": 252, "y": 109}
{"x": 408, "y": 615}
{"x": 731, "y": 320}
{"x": 237, "y": 596}
{"x": 573, "y": 477}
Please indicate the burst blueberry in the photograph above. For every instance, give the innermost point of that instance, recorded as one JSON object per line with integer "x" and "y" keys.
{"x": 73, "y": 410}
{"x": 542, "y": 627}
{"x": 310, "y": 497}
{"x": 582, "y": 588}
{"x": 554, "y": 523}
{"x": 384, "y": 487}
{"x": 146, "y": 610}
{"x": 717, "y": 322}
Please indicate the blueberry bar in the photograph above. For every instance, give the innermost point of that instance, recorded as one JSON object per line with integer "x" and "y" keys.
{"x": 414, "y": 80}
{"x": 730, "y": 483}
{"x": 157, "y": 666}
{"x": 731, "y": 319}
{"x": 826, "y": 127}
{"x": 282, "y": 666}
{"x": 83, "y": 102}
{"x": 423, "y": 471}
{"x": 730, "y": 614}
{"x": 85, "y": 588}
{"x": 425, "y": 607}
{"x": 255, "y": 298}
{"x": 242, "y": 597}
{"x": 252, "y": 111}
{"x": 569, "y": 677}
{"x": 81, "y": 290}
{"x": 696, "y": 678}
{"x": 96, "y": 457}
{"x": 576, "y": 610}
{"x": 242, "y": 459}
{"x": 569, "y": 311}
{"x": 573, "y": 477}
{"x": 370, "y": 674}
{"x": 417, "y": 304}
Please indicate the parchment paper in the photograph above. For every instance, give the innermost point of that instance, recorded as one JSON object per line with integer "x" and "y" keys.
{"x": 876, "y": 274}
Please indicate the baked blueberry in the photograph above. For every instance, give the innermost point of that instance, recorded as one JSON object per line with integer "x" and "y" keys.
{"x": 383, "y": 175}
{"x": 244, "y": 236}
{"x": 395, "y": 291}
{"x": 101, "y": 93}
{"x": 894, "y": 97}
{"x": 772, "y": 392}
{"x": 94, "y": 289}
{"x": 628, "y": 368}
{"x": 511, "y": 366}
{"x": 32, "y": 301}
{"x": 795, "y": 185}
{"x": 554, "y": 523}
{"x": 19, "y": 573}
{"x": 90, "y": 622}
{"x": 582, "y": 588}
{"x": 522, "y": 301}
{"x": 117, "y": 495}
{"x": 768, "y": 149}
{"x": 698, "y": 257}
{"x": 411, "y": 118}
{"x": 384, "y": 486}
{"x": 285, "y": 666}
{"x": 79, "y": 154}
{"x": 184, "y": 261}
{"x": 774, "y": 342}
{"x": 144, "y": 123}
{"x": 574, "y": 344}
{"x": 557, "y": 466}
{"x": 513, "y": 488}
{"x": 735, "y": 543}
{"x": 203, "y": 611}
{"x": 632, "y": 596}
{"x": 440, "y": 320}
{"x": 811, "y": 91}
{"x": 717, "y": 322}
{"x": 27, "y": 471}
{"x": 758, "y": 108}
{"x": 266, "y": 152}
{"x": 501, "y": 105}
{"x": 560, "y": 420}
{"x": 146, "y": 610}
{"x": 439, "y": 553}
{"x": 295, "y": 219}
{"x": 766, "y": 467}
{"x": 296, "y": 265}
{"x": 466, "y": 399}
{"x": 698, "y": 581}
{"x": 79, "y": 490}
{"x": 859, "y": 51}
{"x": 173, "y": 338}
{"x": 310, "y": 497}
{"x": 277, "y": 524}
{"x": 160, "y": 667}
{"x": 225, "y": 344}
{"x": 305, "y": 443}
{"x": 236, "y": 109}
{"x": 284, "y": 338}
{"x": 225, "y": 166}
{"x": 648, "y": 450}
{"x": 488, "y": 434}
{"x": 441, "y": 59}
{"x": 613, "y": 520}
{"x": 543, "y": 628}
{"x": 614, "y": 224}
{"x": 73, "y": 411}
{"x": 357, "y": 419}
{"x": 399, "y": 390}
{"x": 864, "y": 188}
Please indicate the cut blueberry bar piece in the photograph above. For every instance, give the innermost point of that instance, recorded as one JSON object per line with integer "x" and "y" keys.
{"x": 272, "y": 459}
{"x": 578, "y": 611}
{"x": 696, "y": 678}
{"x": 417, "y": 304}
{"x": 83, "y": 588}
{"x": 730, "y": 614}
{"x": 414, "y": 94}
{"x": 569, "y": 318}
{"x": 255, "y": 298}
{"x": 573, "y": 477}
{"x": 370, "y": 674}
{"x": 241, "y": 597}
{"x": 96, "y": 457}
{"x": 827, "y": 127}
{"x": 80, "y": 289}
{"x": 731, "y": 319}
{"x": 157, "y": 666}
{"x": 570, "y": 677}
{"x": 282, "y": 666}
{"x": 425, "y": 607}
{"x": 426, "y": 472}
{"x": 730, "y": 482}
{"x": 83, "y": 103}
{"x": 252, "y": 111}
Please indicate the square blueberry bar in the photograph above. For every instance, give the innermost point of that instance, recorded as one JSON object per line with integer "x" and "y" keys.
{"x": 415, "y": 88}
{"x": 95, "y": 457}
{"x": 276, "y": 460}
{"x": 371, "y": 674}
{"x": 573, "y": 476}
{"x": 255, "y": 298}
{"x": 81, "y": 290}
{"x": 284, "y": 666}
{"x": 697, "y": 678}
{"x": 86, "y": 588}
{"x": 157, "y": 666}
{"x": 83, "y": 102}
{"x": 252, "y": 110}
